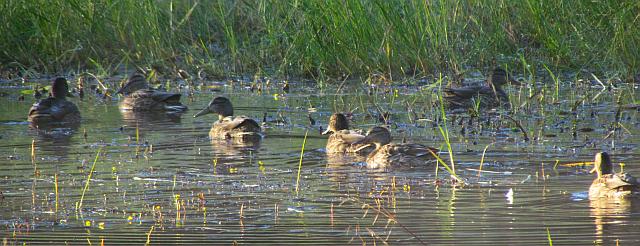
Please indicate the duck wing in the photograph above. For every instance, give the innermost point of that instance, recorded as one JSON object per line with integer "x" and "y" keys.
{"x": 412, "y": 149}
{"x": 462, "y": 93}
{"x": 347, "y": 136}
{"x": 170, "y": 100}
{"x": 620, "y": 180}
{"x": 240, "y": 123}
{"x": 344, "y": 141}
{"x": 52, "y": 107}
{"x": 163, "y": 96}
{"x": 42, "y": 106}
{"x": 147, "y": 99}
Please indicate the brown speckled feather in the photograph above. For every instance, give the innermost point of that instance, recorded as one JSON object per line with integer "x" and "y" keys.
{"x": 53, "y": 109}
{"x": 343, "y": 141}
{"x": 490, "y": 95}
{"x": 151, "y": 100}
{"x": 235, "y": 127}
{"x": 400, "y": 154}
{"x": 613, "y": 186}
{"x": 609, "y": 184}
{"x": 466, "y": 97}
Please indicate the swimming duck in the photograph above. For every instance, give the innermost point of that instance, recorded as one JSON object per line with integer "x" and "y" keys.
{"x": 342, "y": 139}
{"x": 138, "y": 97}
{"x": 228, "y": 126}
{"x": 387, "y": 153}
{"x": 609, "y": 184}
{"x": 55, "y": 108}
{"x": 490, "y": 95}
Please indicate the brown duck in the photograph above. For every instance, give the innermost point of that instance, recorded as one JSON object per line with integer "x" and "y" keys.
{"x": 394, "y": 154}
{"x": 488, "y": 96}
{"x": 609, "y": 184}
{"x": 342, "y": 140}
{"x": 227, "y": 126}
{"x": 56, "y": 108}
{"x": 139, "y": 97}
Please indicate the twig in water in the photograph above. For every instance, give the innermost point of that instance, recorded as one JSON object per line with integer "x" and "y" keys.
{"x": 526, "y": 136}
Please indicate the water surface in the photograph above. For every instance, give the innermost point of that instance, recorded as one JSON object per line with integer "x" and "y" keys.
{"x": 168, "y": 183}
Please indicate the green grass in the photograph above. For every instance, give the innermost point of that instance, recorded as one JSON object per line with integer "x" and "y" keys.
{"x": 318, "y": 38}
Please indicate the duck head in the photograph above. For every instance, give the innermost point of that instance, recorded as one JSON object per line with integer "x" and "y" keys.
{"x": 602, "y": 164}
{"x": 219, "y": 105}
{"x": 377, "y": 135}
{"x": 60, "y": 88}
{"x": 136, "y": 82}
{"x": 500, "y": 77}
{"x": 337, "y": 122}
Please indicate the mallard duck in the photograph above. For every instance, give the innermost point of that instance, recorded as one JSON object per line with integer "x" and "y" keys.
{"x": 55, "y": 108}
{"x": 394, "y": 154}
{"x": 138, "y": 97}
{"x": 228, "y": 126}
{"x": 342, "y": 139}
{"x": 609, "y": 184}
{"x": 490, "y": 95}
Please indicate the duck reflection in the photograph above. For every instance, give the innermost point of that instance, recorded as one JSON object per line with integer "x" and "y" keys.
{"x": 340, "y": 166}
{"x": 607, "y": 214}
{"x": 53, "y": 140}
{"x": 230, "y": 154}
{"x": 147, "y": 122}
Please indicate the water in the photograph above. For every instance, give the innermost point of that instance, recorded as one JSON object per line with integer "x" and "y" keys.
{"x": 172, "y": 185}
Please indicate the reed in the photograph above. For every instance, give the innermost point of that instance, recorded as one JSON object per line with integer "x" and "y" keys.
{"x": 317, "y": 38}
{"x": 86, "y": 184}
{"x": 304, "y": 143}
{"x": 55, "y": 178}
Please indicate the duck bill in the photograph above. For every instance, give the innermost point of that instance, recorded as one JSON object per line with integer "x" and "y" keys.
{"x": 202, "y": 112}
{"x": 327, "y": 131}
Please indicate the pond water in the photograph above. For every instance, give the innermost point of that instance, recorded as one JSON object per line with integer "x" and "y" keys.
{"x": 159, "y": 180}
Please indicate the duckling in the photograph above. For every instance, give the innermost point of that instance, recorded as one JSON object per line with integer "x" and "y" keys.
{"x": 342, "y": 139}
{"x": 138, "y": 97}
{"x": 228, "y": 126}
{"x": 490, "y": 95}
{"x": 55, "y": 108}
{"x": 609, "y": 184}
{"x": 396, "y": 154}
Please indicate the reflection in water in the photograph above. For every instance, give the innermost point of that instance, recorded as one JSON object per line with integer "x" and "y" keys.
{"x": 229, "y": 154}
{"x": 608, "y": 213}
{"x": 130, "y": 194}
{"x": 54, "y": 140}
{"x": 145, "y": 118}
{"x": 339, "y": 165}
{"x": 139, "y": 124}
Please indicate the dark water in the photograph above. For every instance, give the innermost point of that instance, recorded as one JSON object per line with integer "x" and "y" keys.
{"x": 175, "y": 186}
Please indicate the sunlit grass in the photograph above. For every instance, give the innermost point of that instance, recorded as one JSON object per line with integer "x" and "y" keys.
{"x": 317, "y": 38}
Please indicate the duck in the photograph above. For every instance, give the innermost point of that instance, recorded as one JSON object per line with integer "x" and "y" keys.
{"x": 55, "y": 108}
{"x": 139, "y": 97}
{"x": 227, "y": 126}
{"x": 342, "y": 139}
{"x": 609, "y": 184}
{"x": 394, "y": 154}
{"x": 490, "y": 95}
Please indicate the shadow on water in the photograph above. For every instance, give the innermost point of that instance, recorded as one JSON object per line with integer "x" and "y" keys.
{"x": 160, "y": 179}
